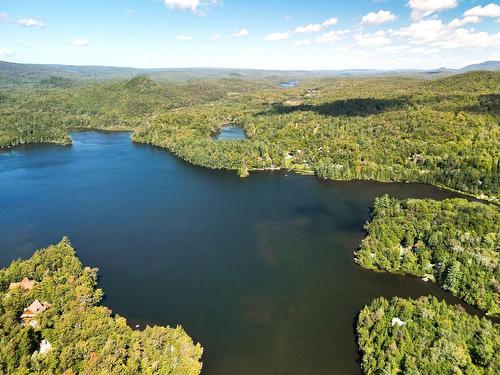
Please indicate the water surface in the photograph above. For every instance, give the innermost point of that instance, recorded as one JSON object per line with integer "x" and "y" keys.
{"x": 289, "y": 84}
{"x": 259, "y": 270}
{"x": 230, "y": 132}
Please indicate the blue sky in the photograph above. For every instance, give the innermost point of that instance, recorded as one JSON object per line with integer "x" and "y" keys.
{"x": 293, "y": 34}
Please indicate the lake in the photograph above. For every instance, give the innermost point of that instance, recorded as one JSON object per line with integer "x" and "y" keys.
{"x": 259, "y": 270}
{"x": 230, "y": 132}
{"x": 289, "y": 84}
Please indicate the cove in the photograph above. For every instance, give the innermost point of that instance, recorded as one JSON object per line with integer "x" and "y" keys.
{"x": 259, "y": 270}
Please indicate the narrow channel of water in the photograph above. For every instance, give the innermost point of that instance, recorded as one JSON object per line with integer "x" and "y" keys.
{"x": 259, "y": 270}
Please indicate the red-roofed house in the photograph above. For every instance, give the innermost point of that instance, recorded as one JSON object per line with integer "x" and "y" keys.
{"x": 33, "y": 310}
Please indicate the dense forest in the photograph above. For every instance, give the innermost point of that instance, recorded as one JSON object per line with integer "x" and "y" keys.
{"x": 425, "y": 336}
{"x": 72, "y": 333}
{"x": 453, "y": 242}
{"x": 45, "y": 112}
{"x": 441, "y": 131}
{"x": 438, "y": 131}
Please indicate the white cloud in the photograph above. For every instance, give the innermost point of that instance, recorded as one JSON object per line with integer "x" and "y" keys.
{"x": 276, "y": 37}
{"x": 331, "y": 36}
{"x": 464, "y": 21}
{"x": 5, "y": 52}
{"x": 393, "y": 49}
{"x": 490, "y": 10}
{"x": 423, "y": 50}
{"x": 372, "y": 40}
{"x": 30, "y": 22}
{"x": 328, "y": 37}
{"x": 434, "y": 33}
{"x": 330, "y": 22}
{"x": 424, "y": 8}
{"x": 215, "y": 36}
{"x": 425, "y": 31}
{"x": 239, "y": 34}
{"x": 195, "y": 6}
{"x": 381, "y": 16}
{"x": 463, "y": 38}
{"x": 312, "y": 28}
{"x": 408, "y": 49}
{"x": 303, "y": 42}
{"x": 23, "y": 21}
{"x": 307, "y": 29}
{"x": 184, "y": 37}
{"x": 191, "y": 5}
{"x": 80, "y": 42}
{"x": 316, "y": 27}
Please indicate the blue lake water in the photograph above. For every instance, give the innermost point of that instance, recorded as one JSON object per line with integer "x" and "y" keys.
{"x": 259, "y": 270}
{"x": 230, "y": 132}
{"x": 289, "y": 84}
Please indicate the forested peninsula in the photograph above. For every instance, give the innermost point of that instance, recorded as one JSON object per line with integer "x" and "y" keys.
{"x": 425, "y": 336}
{"x": 437, "y": 131}
{"x": 51, "y": 322}
{"x": 452, "y": 242}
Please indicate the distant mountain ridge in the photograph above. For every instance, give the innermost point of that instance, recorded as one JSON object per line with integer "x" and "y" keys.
{"x": 492, "y": 65}
{"x": 18, "y": 73}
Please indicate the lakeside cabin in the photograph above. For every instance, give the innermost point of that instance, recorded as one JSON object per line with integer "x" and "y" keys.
{"x": 25, "y": 285}
{"x": 30, "y": 312}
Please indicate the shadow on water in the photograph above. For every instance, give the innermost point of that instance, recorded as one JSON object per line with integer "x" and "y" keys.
{"x": 260, "y": 271}
{"x": 351, "y": 107}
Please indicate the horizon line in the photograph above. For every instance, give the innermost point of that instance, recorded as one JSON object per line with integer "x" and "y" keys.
{"x": 250, "y": 69}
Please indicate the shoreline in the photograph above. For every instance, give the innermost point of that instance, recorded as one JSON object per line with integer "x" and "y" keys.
{"x": 100, "y": 130}
{"x": 480, "y": 198}
{"x": 474, "y": 310}
{"x": 281, "y": 173}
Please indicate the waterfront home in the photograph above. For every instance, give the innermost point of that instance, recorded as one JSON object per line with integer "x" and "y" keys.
{"x": 32, "y": 311}
{"x": 25, "y": 284}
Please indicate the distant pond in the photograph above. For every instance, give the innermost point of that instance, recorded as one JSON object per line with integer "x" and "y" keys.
{"x": 230, "y": 132}
{"x": 259, "y": 270}
{"x": 289, "y": 84}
